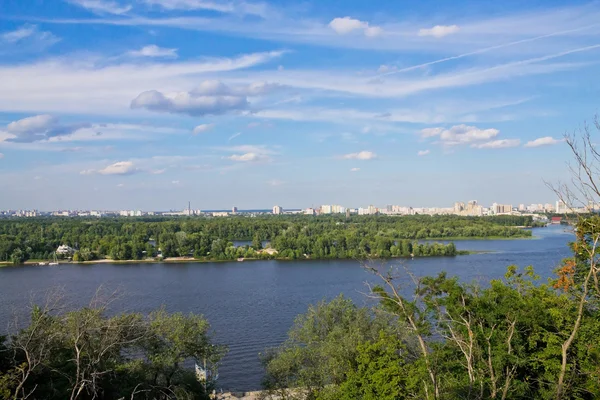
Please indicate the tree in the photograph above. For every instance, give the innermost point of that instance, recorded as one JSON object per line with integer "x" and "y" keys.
{"x": 85, "y": 354}
{"x": 256, "y": 242}
{"x": 17, "y": 256}
{"x": 322, "y": 346}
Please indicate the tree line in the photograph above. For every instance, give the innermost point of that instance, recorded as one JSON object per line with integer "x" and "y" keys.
{"x": 294, "y": 237}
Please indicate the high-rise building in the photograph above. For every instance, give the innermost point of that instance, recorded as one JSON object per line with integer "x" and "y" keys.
{"x": 277, "y": 210}
{"x": 234, "y": 210}
{"x": 501, "y": 208}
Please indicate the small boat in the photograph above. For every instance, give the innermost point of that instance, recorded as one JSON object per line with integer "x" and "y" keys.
{"x": 43, "y": 263}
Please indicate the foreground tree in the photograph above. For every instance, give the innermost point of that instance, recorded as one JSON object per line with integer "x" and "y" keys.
{"x": 323, "y": 348}
{"x": 85, "y": 354}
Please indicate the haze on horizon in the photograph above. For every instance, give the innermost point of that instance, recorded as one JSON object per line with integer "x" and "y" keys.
{"x": 149, "y": 104}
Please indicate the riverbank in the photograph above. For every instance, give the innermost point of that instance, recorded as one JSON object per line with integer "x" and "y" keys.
{"x": 463, "y": 238}
{"x": 176, "y": 260}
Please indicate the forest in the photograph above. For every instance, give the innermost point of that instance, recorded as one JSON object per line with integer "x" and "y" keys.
{"x": 206, "y": 238}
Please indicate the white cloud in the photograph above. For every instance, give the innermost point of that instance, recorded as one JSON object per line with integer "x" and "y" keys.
{"x": 119, "y": 168}
{"x": 497, "y": 144}
{"x": 354, "y": 169}
{"x": 430, "y": 132}
{"x": 248, "y": 153}
{"x": 373, "y": 31}
{"x": 543, "y": 141}
{"x": 346, "y": 25}
{"x": 121, "y": 185}
{"x": 248, "y": 157}
{"x": 30, "y": 33}
{"x": 203, "y": 128}
{"x": 175, "y": 182}
{"x": 188, "y": 103}
{"x": 102, "y": 6}
{"x": 38, "y": 128}
{"x": 90, "y": 85}
{"x": 362, "y": 155}
{"x": 20, "y": 33}
{"x": 154, "y": 51}
{"x": 439, "y": 31}
{"x": 211, "y": 97}
{"x": 232, "y": 7}
{"x": 460, "y": 134}
{"x": 423, "y": 152}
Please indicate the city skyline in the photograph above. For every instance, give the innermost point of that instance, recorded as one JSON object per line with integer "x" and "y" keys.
{"x": 147, "y": 104}
{"x": 458, "y": 207}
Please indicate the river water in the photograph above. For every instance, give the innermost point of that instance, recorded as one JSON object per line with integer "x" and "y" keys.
{"x": 251, "y": 305}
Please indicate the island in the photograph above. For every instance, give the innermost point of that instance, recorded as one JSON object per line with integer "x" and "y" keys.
{"x": 289, "y": 237}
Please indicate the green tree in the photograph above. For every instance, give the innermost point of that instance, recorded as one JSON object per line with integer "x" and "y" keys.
{"x": 323, "y": 346}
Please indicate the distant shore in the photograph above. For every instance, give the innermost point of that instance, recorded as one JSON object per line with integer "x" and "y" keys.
{"x": 176, "y": 260}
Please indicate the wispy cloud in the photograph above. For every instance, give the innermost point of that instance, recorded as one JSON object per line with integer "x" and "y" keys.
{"x": 423, "y": 152}
{"x": 361, "y": 155}
{"x": 227, "y": 7}
{"x": 234, "y": 136}
{"x": 118, "y": 168}
{"x": 355, "y": 169}
{"x": 154, "y": 51}
{"x": 97, "y": 88}
{"x": 439, "y": 31}
{"x": 39, "y": 128}
{"x": 497, "y": 144}
{"x": 460, "y": 134}
{"x": 102, "y": 6}
{"x": 543, "y": 141}
{"x": 248, "y": 157}
{"x": 203, "y": 128}
{"x": 28, "y": 35}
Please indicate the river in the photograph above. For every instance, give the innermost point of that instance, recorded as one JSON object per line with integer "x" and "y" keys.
{"x": 251, "y": 305}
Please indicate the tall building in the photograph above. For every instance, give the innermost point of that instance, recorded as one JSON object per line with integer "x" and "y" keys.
{"x": 326, "y": 209}
{"x": 277, "y": 210}
{"x": 470, "y": 209}
{"x": 234, "y": 210}
{"x": 561, "y": 207}
{"x": 501, "y": 208}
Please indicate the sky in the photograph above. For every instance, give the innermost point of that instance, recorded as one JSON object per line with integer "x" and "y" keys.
{"x": 149, "y": 104}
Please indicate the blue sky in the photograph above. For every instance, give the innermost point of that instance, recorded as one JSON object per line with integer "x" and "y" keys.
{"x": 114, "y": 104}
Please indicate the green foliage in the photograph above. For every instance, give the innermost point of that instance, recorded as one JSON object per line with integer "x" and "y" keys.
{"x": 85, "y": 354}
{"x": 294, "y": 237}
{"x": 382, "y": 372}
{"x": 501, "y": 340}
{"x": 324, "y": 346}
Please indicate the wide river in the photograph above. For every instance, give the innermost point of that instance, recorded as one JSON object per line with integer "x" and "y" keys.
{"x": 251, "y": 305}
